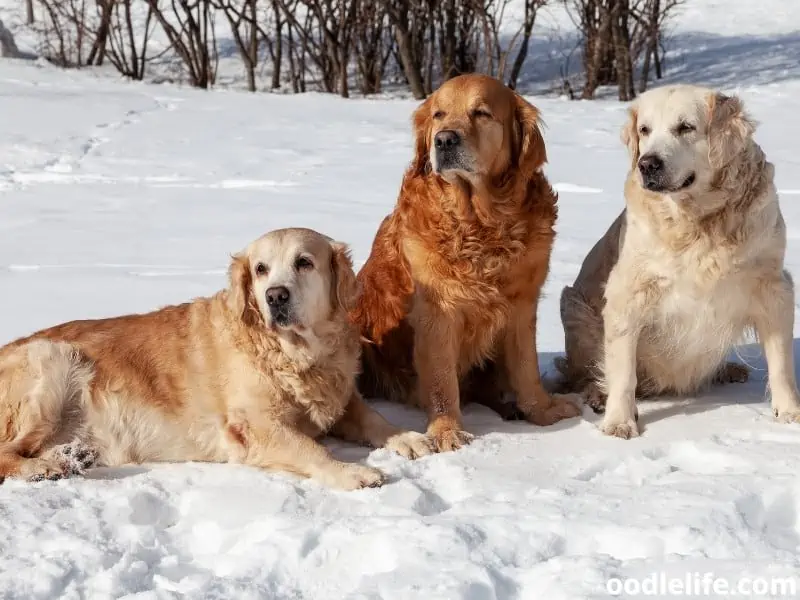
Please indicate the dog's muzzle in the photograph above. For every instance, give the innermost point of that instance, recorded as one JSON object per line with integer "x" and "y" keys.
{"x": 651, "y": 167}
{"x": 450, "y": 153}
{"x": 279, "y": 303}
{"x": 655, "y": 177}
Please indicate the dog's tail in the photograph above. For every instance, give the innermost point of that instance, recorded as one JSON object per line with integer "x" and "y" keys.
{"x": 44, "y": 388}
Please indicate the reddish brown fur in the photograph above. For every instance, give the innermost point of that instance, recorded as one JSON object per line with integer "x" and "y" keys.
{"x": 456, "y": 270}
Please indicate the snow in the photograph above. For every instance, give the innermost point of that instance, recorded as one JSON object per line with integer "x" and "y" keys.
{"x": 119, "y": 197}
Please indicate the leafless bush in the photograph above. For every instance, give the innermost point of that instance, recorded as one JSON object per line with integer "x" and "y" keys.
{"x": 190, "y": 27}
{"x": 65, "y": 31}
{"x": 616, "y": 34}
{"x": 415, "y": 35}
{"x": 256, "y": 25}
{"x": 298, "y": 67}
{"x": 325, "y": 28}
{"x": 652, "y": 18}
{"x": 243, "y": 17}
{"x": 373, "y": 45}
{"x": 275, "y": 43}
{"x": 126, "y": 45}
{"x": 524, "y": 36}
{"x": 439, "y": 39}
{"x": 333, "y": 45}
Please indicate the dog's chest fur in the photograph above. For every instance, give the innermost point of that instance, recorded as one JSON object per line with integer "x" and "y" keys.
{"x": 318, "y": 399}
{"x": 310, "y": 392}
{"x": 476, "y": 273}
{"x": 701, "y": 311}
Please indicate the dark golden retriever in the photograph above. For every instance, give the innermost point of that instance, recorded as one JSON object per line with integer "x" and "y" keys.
{"x": 455, "y": 272}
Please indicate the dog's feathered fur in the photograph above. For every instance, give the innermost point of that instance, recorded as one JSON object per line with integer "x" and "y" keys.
{"x": 215, "y": 379}
{"x": 682, "y": 275}
{"x": 455, "y": 271}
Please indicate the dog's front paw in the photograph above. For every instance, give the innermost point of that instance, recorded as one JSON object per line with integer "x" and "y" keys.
{"x": 448, "y": 440}
{"x": 76, "y": 457}
{"x": 40, "y": 469}
{"x": 787, "y": 416}
{"x": 350, "y": 477}
{"x": 625, "y": 429}
{"x": 410, "y": 444}
{"x": 595, "y": 398}
{"x": 560, "y": 407}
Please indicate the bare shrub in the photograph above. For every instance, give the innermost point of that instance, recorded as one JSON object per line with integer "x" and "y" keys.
{"x": 127, "y": 46}
{"x": 190, "y": 27}
{"x": 373, "y": 45}
{"x": 615, "y": 35}
{"x": 65, "y": 31}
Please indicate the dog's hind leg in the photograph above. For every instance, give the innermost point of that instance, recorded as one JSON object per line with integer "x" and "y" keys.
{"x": 583, "y": 341}
{"x": 731, "y": 372}
{"x": 43, "y": 387}
{"x": 485, "y": 385}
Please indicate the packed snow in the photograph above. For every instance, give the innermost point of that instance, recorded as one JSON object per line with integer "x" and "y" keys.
{"x": 119, "y": 197}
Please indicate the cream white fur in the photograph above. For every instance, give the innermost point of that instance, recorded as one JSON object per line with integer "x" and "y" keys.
{"x": 681, "y": 276}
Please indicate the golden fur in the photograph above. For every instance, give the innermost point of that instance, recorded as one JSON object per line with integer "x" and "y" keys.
{"x": 455, "y": 272}
{"x": 224, "y": 379}
{"x": 692, "y": 264}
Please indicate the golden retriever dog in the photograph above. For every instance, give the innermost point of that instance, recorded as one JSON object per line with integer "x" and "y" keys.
{"x": 250, "y": 375}
{"x": 693, "y": 263}
{"x": 455, "y": 272}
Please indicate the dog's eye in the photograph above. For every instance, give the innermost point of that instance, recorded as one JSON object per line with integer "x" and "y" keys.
{"x": 439, "y": 114}
{"x": 261, "y": 269}
{"x": 644, "y": 130}
{"x": 684, "y": 128}
{"x": 303, "y": 263}
{"x": 481, "y": 113}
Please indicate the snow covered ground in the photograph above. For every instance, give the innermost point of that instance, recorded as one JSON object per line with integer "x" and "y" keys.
{"x": 119, "y": 197}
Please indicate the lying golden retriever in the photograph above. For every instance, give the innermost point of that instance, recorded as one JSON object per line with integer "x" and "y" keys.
{"x": 251, "y": 375}
{"x": 455, "y": 272}
{"x": 694, "y": 261}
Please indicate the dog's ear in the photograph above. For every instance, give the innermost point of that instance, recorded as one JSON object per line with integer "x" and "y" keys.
{"x": 421, "y": 122}
{"x": 531, "y": 151}
{"x": 630, "y": 135}
{"x": 729, "y": 129}
{"x": 241, "y": 300}
{"x": 344, "y": 287}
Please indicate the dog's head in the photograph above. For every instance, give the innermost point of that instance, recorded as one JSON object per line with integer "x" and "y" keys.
{"x": 474, "y": 127}
{"x": 292, "y": 280}
{"x": 680, "y": 136}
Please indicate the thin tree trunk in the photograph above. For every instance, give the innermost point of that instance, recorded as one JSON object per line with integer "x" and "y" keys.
{"x": 645, "y": 75}
{"x": 98, "y": 51}
{"x": 657, "y": 63}
{"x": 522, "y": 53}
{"x": 410, "y": 67}
{"x": 278, "y": 57}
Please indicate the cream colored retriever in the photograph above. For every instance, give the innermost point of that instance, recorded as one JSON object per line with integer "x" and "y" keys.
{"x": 251, "y": 375}
{"x": 692, "y": 264}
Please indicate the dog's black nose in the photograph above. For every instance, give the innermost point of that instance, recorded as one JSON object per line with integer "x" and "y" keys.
{"x": 277, "y": 296}
{"x": 446, "y": 139}
{"x": 650, "y": 164}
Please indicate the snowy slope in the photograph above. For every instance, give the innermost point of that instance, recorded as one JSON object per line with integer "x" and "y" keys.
{"x": 118, "y": 197}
